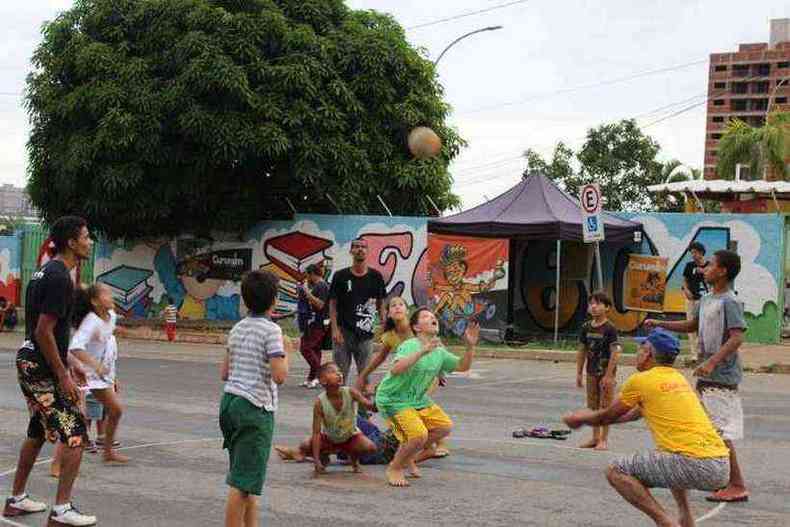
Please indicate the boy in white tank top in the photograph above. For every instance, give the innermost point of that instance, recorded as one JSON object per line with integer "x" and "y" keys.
{"x": 334, "y": 424}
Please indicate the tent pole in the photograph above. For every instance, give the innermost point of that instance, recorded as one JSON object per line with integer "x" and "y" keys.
{"x": 598, "y": 265}
{"x": 557, "y": 295}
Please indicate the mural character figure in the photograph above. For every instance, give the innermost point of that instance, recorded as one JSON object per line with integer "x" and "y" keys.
{"x": 454, "y": 299}
{"x": 188, "y": 286}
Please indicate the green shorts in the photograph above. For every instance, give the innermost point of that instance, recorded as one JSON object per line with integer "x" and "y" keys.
{"x": 248, "y": 432}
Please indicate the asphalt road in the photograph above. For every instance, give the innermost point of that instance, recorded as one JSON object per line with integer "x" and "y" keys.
{"x": 176, "y": 477}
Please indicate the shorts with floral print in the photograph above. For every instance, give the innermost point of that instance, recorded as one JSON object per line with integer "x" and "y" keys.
{"x": 52, "y": 415}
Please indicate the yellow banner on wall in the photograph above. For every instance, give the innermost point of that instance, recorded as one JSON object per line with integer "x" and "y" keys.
{"x": 645, "y": 283}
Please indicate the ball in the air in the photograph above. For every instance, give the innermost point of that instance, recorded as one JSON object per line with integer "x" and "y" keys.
{"x": 424, "y": 143}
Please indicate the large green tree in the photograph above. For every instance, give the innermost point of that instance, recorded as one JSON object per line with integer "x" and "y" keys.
{"x": 158, "y": 117}
{"x": 764, "y": 149}
{"x": 620, "y": 158}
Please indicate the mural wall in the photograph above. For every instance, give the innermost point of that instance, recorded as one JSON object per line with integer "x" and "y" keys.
{"x": 202, "y": 277}
{"x": 467, "y": 279}
{"x": 10, "y": 268}
{"x": 758, "y": 238}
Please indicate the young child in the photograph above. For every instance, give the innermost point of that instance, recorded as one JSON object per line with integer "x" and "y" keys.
{"x": 396, "y": 330}
{"x": 600, "y": 350}
{"x": 402, "y": 396}
{"x": 170, "y": 314}
{"x": 94, "y": 344}
{"x": 256, "y": 362}
{"x": 334, "y": 424}
{"x": 721, "y": 324}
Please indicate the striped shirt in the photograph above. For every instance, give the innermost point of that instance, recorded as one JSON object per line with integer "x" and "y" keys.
{"x": 170, "y": 314}
{"x": 252, "y": 343}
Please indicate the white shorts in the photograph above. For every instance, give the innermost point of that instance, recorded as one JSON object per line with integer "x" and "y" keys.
{"x": 725, "y": 411}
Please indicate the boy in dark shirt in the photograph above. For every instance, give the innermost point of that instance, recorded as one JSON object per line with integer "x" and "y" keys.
{"x": 600, "y": 350}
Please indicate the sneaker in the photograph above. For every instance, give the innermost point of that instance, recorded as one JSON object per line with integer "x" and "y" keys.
{"x": 20, "y": 507}
{"x": 70, "y": 517}
{"x": 314, "y": 384}
{"x": 305, "y": 384}
{"x": 92, "y": 447}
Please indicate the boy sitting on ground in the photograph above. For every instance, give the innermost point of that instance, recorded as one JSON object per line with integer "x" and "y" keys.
{"x": 334, "y": 424}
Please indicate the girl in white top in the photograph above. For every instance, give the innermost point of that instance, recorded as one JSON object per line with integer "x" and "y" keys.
{"x": 94, "y": 344}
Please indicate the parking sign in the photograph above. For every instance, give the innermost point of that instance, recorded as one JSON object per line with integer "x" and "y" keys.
{"x": 592, "y": 226}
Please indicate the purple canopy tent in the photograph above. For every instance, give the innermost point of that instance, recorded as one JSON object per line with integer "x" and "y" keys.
{"x": 534, "y": 209}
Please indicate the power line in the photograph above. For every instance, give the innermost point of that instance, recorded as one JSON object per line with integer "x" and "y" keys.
{"x": 608, "y": 82}
{"x": 468, "y": 14}
{"x": 688, "y": 104}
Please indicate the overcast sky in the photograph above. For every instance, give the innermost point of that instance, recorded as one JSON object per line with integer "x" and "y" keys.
{"x": 556, "y": 69}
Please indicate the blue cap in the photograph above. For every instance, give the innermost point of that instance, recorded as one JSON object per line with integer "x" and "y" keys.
{"x": 662, "y": 341}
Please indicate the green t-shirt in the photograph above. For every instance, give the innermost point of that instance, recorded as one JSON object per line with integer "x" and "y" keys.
{"x": 409, "y": 389}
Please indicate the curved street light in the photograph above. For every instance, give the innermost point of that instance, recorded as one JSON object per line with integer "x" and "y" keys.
{"x": 459, "y": 39}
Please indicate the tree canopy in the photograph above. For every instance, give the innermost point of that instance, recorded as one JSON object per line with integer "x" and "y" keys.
{"x": 764, "y": 149}
{"x": 620, "y": 158}
{"x": 158, "y": 117}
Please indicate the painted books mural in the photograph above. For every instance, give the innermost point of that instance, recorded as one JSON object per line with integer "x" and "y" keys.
{"x": 463, "y": 274}
{"x": 202, "y": 276}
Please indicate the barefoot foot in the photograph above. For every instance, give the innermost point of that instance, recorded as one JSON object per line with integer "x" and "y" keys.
{"x": 289, "y": 454}
{"x": 414, "y": 471}
{"x": 592, "y": 443}
{"x": 601, "y": 446}
{"x": 395, "y": 477}
{"x": 114, "y": 458}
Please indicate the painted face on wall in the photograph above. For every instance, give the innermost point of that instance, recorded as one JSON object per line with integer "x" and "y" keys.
{"x": 193, "y": 276}
{"x": 455, "y": 271}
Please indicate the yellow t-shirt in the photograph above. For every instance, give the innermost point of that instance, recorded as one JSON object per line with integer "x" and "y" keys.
{"x": 391, "y": 340}
{"x": 673, "y": 413}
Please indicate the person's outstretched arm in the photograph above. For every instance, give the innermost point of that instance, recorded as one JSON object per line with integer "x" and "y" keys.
{"x": 606, "y": 416}
{"x": 403, "y": 365}
{"x": 318, "y": 421}
{"x": 363, "y": 401}
{"x": 471, "y": 337}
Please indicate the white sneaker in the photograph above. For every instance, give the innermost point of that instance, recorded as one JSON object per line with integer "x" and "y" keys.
{"x": 70, "y": 517}
{"x": 314, "y": 384}
{"x": 305, "y": 384}
{"x": 21, "y": 507}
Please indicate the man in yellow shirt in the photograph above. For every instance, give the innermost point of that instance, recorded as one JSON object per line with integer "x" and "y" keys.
{"x": 689, "y": 453}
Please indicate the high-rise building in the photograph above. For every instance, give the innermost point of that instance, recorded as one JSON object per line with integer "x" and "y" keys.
{"x": 743, "y": 83}
{"x": 15, "y": 202}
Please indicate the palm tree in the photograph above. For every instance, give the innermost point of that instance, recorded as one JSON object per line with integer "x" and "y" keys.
{"x": 764, "y": 149}
{"x": 672, "y": 171}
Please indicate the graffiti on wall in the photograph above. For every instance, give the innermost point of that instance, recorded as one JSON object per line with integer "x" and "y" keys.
{"x": 202, "y": 277}
{"x": 10, "y": 269}
{"x": 756, "y": 237}
{"x": 461, "y": 270}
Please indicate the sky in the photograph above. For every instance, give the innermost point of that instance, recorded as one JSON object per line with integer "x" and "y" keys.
{"x": 555, "y": 69}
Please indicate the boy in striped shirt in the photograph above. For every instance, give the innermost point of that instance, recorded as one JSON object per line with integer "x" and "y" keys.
{"x": 256, "y": 362}
{"x": 171, "y": 315}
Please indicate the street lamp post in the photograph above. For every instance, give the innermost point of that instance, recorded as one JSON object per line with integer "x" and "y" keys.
{"x": 459, "y": 39}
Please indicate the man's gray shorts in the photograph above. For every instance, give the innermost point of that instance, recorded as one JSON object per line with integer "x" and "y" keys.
{"x": 676, "y": 471}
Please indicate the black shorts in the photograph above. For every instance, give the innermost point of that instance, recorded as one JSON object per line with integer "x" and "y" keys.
{"x": 52, "y": 415}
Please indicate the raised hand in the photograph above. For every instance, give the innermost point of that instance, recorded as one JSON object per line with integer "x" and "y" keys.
{"x": 472, "y": 334}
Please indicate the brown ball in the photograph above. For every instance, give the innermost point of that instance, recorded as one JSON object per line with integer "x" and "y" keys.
{"x": 424, "y": 143}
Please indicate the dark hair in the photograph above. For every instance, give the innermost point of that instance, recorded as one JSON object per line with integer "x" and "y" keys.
{"x": 730, "y": 261}
{"x": 83, "y": 303}
{"x": 313, "y": 269}
{"x": 414, "y": 319}
{"x": 697, "y": 246}
{"x": 259, "y": 291}
{"x": 325, "y": 368}
{"x": 389, "y": 324}
{"x": 167, "y": 300}
{"x": 64, "y": 229}
{"x": 601, "y": 298}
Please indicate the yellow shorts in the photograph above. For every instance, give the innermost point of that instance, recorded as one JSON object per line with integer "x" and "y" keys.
{"x": 413, "y": 424}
